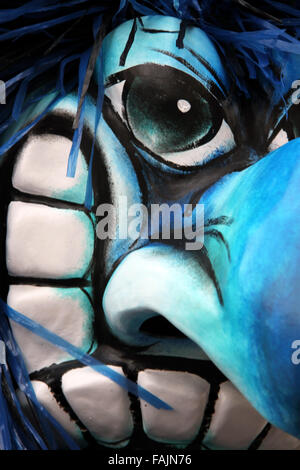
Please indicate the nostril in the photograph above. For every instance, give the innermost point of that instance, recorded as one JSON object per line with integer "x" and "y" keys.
{"x": 160, "y": 327}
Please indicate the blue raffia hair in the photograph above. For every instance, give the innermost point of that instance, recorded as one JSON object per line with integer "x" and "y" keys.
{"x": 50, "y": 48}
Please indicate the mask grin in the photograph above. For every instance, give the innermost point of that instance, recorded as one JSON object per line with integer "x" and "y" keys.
{"x": 142, "y": 299}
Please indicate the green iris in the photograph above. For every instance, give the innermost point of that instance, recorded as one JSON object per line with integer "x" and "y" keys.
{"x": 169, "y": 112}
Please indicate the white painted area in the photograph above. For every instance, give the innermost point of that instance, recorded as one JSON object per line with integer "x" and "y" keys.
{"x": 186, "y": 393}
{"x": 235, "y": 423}
{"x": 279, "y": 440}
{"x": 222, "y": 143}
{"x": 47, "y": 242}
{"x": 184, "y": 106}
{"x": 46, "y": 398}
{"x": 101, "y": 404}
{"x": 41, "y": 169}
{"x": 114, "y": 93}
{"x": 280, "y": 140}
{"x": 65, "y": 312}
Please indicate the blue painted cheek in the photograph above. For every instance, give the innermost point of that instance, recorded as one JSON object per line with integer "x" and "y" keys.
{"x": 260, "y": 318}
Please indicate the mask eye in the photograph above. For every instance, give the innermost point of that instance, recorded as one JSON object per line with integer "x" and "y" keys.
{"x": 173, "y": 116}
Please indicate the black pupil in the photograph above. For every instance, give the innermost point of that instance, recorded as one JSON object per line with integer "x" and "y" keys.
{"x": 169, "y": 111}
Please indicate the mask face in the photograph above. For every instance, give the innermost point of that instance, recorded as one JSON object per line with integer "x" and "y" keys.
{"x": 197, "y": 305}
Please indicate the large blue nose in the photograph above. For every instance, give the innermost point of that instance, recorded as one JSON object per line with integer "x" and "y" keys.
{"x": 157, "y": 281}
{"x": 249, "y": 332}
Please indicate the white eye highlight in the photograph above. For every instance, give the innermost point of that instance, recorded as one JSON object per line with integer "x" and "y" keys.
{"x": 222, "y": 143}
{"x": 184, "y": 106}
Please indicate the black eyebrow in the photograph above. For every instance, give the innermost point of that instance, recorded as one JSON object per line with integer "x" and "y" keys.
{"x": 158, "y": 31}
{"x": 216, "y": 92}
{"x": 132, "y": 34}
{"x": 128, "y": 43}
{"x": 209, "y": 68}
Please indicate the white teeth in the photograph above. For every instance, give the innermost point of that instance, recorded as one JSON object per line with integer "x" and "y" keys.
{"x": 279, "y": 440}
{"x": 104, "y": 409}
{"x": 235, "y": 423}
{"x": 46, "y": 398}
{"x": 186, "y": 393}
{"x": 66, "y": 312}
{"x": 41, "y": 169}
{"x": 100, "y": 404}
{"x": 47, "y": 242}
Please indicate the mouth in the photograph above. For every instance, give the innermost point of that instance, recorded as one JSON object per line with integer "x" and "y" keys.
{"x": 208, "y": 412}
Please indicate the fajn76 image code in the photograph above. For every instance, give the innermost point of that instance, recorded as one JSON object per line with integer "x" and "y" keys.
{"x": 155, "y": 459}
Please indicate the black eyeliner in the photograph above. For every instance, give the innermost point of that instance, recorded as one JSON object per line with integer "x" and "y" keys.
{"x": 213, "y": 89}
{"x": 209, "y": 68}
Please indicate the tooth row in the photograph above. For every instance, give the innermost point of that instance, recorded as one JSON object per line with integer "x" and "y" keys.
{"x": 104, "y": 408}
{"x": 44, "y": 242}
{"x": 234, "y": 424}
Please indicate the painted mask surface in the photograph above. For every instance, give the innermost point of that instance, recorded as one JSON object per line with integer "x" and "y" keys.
{"x": 208, "y": 324}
